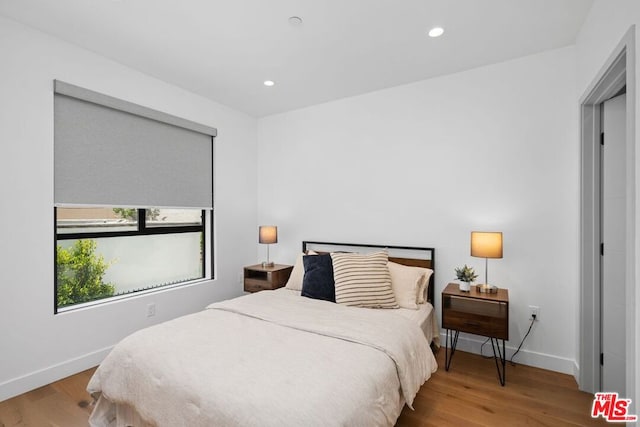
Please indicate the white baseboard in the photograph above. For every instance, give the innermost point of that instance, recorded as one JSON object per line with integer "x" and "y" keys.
{"x": 550, "y": 362}
{"x": 41, "y": 377}
{"x": 576, "y": 372}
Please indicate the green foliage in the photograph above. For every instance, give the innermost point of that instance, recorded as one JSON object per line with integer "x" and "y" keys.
{"x": 80, "y": 274}
{"x": 466, "y": 274}
{"x": 124, "y": 213}
{"x": 132, "y": 214}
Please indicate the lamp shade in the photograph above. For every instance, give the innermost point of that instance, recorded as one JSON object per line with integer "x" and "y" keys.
{"x": 486, "y": 244}
{"x": 268, "y": 234}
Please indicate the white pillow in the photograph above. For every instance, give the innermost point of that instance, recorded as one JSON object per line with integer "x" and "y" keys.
{"x": 363, "y": 280}
{"x": 297, "y": 274}
{"x": 406, "y": 283}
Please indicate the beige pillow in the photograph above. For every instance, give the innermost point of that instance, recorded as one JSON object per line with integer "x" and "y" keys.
{"x": 406, "y": 282}
{"x": 297, "y": 274}
{"x": 363, "y": 280}
{"x": 422, "y": 292}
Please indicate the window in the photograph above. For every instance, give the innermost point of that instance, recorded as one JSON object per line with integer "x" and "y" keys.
{"x": 106, "y": 252}
{"x": 111, "y": 155}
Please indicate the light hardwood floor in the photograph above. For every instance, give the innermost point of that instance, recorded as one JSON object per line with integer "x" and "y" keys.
{"x": 468, "y": 395}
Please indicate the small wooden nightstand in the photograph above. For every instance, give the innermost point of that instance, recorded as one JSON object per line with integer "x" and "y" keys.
{"x": 476, "y": 313}
{"x": 259, "y": 278}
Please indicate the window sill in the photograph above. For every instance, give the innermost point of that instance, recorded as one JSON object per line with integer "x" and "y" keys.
{"x": 133, "y": 295}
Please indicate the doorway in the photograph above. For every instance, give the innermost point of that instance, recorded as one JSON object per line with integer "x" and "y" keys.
{"x": 613, "y": 200}
{"x": 604, "y": 309}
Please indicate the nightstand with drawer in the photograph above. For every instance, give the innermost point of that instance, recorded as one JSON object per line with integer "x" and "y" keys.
{"x": 259, "y": 278}
{"x": 473, "y": 312}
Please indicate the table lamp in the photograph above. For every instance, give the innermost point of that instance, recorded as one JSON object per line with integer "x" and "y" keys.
{"x": 486, "y": 245}
{"x": 268, "y": 234}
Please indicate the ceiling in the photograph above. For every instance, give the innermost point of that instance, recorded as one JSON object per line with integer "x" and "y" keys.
{"x": 225, "y": 50}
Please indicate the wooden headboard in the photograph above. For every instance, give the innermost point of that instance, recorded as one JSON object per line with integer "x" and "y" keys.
{"x": 406, "y": 255}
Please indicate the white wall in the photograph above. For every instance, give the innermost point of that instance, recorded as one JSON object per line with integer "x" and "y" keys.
{"x": 37, "y": 347}
{"x": 494, "y": 148}
{"x": 603, "y": 29}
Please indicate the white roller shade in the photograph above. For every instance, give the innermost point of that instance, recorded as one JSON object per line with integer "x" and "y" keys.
{"x": 111, "y": 152}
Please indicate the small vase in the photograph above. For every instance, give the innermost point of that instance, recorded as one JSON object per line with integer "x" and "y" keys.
{"x": 465, "y": 286}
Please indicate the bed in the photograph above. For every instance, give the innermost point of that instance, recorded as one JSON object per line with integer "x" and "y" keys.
{"x": 275, "y": 358}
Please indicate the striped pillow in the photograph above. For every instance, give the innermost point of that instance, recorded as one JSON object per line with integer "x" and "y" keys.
{"x": 363, "y": 280}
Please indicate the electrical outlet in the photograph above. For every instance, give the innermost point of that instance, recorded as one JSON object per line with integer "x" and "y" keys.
{"x": 534, "y": 311}
{"x": 151, "y": 309}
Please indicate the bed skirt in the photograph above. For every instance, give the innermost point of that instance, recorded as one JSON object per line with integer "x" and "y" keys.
{"x": 109, "y": 414}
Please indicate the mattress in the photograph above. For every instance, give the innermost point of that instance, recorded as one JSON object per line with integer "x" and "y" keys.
{"x": 425, "y": 317}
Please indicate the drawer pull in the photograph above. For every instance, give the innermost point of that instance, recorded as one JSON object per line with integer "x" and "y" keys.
{"x": 474, "y": 324}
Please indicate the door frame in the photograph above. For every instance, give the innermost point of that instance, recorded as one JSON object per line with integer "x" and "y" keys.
{"x": 618, "y": 71}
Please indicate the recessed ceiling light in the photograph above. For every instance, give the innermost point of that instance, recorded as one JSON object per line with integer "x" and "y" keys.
{"x": 295, "y": 21}
{"x": 269, "y": 83}
{"x": 436, "y": 32}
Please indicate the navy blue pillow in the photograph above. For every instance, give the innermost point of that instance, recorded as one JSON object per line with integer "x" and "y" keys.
{"x": 318, "y": 282}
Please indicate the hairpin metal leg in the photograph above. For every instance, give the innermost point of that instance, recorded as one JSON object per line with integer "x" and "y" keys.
{"x": 451, "y": 340}
{"x": 502, "y": 373}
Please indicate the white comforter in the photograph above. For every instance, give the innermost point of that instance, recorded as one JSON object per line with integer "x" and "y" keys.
{"x": 269, "y": 359}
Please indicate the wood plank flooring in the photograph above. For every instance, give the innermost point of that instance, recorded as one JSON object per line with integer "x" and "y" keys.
{"x": 468, "y": 395}
{"x": 64, "y": 403}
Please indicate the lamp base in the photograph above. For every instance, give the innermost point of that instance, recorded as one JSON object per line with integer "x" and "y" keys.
{"x": 487, "y": 289}
{"x": 266, "y": 264}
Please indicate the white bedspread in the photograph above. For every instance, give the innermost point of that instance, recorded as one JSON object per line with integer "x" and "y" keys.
{"x": 268, "y": 359}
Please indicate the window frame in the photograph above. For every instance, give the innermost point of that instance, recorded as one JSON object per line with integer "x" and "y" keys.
{"x": 142, "y": 230}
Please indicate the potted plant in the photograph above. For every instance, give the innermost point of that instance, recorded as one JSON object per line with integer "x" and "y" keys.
{"x": 465, "y": 275}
